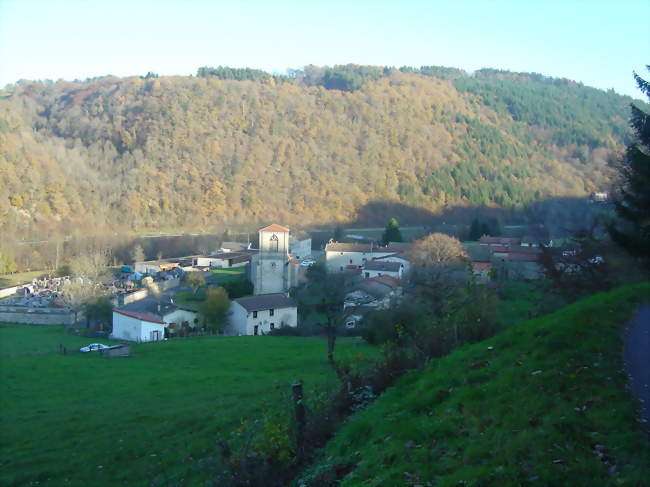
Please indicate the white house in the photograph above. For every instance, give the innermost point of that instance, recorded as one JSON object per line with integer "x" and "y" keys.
{"x": 257, "y": 315}
{"x": 169, "y": 319}
{"x": 300, "y": 248}
{"x": 137, "y": 327}
{"x": 339, "y": 256}
{"x": 374, "y": 268}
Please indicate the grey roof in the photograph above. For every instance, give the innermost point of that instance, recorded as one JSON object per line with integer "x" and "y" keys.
{"x": 265, "y": 301}
{"x": 359, "y": 247}
{"x": 150, "y": 306}
{"x": 375, "y": 265}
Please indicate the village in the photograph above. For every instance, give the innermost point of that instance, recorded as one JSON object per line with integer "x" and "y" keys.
{"x": 154, "y": 300}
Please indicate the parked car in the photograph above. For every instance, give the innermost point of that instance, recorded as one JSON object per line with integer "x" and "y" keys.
{"x": 307, "y": 262}
{"x": 93, "y": 347}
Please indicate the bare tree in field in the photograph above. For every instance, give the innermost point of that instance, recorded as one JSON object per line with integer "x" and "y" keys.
{"x": 93, "y": 265}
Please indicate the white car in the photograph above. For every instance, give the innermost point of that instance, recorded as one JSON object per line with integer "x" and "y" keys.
{"x": 307, "y": 262}
{"x": 93, "y": 347}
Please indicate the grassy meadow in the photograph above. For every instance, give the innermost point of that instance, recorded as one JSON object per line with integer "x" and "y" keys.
{"x": 150, "y": 419}
{"x": 542, "y": 403}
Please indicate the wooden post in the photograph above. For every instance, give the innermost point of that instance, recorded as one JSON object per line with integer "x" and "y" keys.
{"x": 299, "y": 408}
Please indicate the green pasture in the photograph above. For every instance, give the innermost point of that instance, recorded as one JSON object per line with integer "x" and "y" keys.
{"x": 149, "y": 419}
{"x": 542, "y": 403}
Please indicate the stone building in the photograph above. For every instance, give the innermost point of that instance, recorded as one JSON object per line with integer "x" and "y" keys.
{"x": 272, "y": 269}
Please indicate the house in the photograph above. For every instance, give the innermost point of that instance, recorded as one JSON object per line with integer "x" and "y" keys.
{"x": 155, "y": 266}
{"x": 300, "y": 246}
{"x": 339, "y": 255}
{"x": 137, "y": 327}
{"x": 272, "y": 268}
{"x": 257, "y": 315}
{"x": 234, "y": 246}
{"x": 499, "y": 241}
{"x": 400, "y": 258}
{"x": 377, "y": 292}
{"x": 170, "y": 319}
{"x": 518, "y": 265}
{"x": 481, "y": 271}
{"x": 528, "y": 241}
{"x": 374, "y": 268}
{"x": 227, "y": 260}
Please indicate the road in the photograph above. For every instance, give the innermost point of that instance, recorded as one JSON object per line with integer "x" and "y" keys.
{"x": 637, "y": 358}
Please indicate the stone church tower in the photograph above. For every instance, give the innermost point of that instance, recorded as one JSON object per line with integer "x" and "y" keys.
{"x": 272, "y": 270}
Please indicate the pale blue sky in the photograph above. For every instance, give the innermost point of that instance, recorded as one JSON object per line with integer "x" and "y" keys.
{"x": 596, "y": 42}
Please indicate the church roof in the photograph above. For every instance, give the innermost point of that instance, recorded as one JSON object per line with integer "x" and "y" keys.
{"x": 274, "y": 228}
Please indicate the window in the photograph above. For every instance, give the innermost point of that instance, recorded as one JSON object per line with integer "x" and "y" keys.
{"x": 272, "y": 326}
{"x": 367, "y": 275}
{"x": 254, "y": 314}
{"x": 274, "y": 243}
{"x": 271, "y": 312}
{"x": 350, "y": 261}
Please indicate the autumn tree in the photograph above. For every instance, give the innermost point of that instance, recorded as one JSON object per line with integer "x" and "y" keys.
{"x": 214, "y": 308}
{"x": 195, "y": 280}
{"x": 439, "y": 269}
{"x": 632, "y": 230}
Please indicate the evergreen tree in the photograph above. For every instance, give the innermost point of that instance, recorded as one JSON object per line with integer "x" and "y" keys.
{"x": 475, "y": 230}
{"x": 392, "y": 233}
{"x": 632, "y": 231}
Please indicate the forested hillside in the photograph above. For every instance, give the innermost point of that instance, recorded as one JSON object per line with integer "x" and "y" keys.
{"x": 314, "y": 147}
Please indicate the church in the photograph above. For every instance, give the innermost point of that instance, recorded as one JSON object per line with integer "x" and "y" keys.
{"x": 272, "y": 269}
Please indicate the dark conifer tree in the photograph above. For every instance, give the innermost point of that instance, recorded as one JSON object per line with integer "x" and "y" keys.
{"x": 632, "y": 230}
{"x": 392, "y": 232}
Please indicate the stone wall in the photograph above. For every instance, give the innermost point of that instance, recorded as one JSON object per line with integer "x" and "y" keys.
{"x": 38, "y": 318}
{"x": 9, "y": 291}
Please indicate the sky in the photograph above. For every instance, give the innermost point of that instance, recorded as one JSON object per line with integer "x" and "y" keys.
{"x": 599, "y": 43}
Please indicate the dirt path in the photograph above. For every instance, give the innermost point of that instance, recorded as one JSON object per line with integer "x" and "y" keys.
{"x": 637, "y": 358}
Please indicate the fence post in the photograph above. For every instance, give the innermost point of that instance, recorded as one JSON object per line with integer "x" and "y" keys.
{"x": 299, "y": 408}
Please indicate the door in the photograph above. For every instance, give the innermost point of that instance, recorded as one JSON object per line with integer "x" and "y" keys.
{"x": 255, "y": 330}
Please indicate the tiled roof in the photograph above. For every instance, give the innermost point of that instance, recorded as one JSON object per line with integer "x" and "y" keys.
{"x": 139, "y": 316}
{"x": 523, "y": 257}
{"x": 374, "y": 265}
{"x": 500, "y": 240}
{"x": 359, "y": 247}
{"x": 265, "y": 301}
{"x": 389, "y": 281}
{"x": 274, "y": 228}
{"x": 481, "y": 266}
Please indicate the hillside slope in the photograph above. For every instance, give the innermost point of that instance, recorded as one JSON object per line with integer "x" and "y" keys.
{"x": 185, "y": 152}
{"x": 542, "y": 403}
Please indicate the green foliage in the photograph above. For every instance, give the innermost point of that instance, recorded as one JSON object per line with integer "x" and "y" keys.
{"x": 238, "y": 288}
{"x": 214, "y": 308}
{"x": 542, "y": 402}
{"x": 633, "y": 205}
{"x": 392, "y": 233}
{"x": 7, "y": 263}
{"x": 100, "y": 309}
{"x": 239, "y": 74}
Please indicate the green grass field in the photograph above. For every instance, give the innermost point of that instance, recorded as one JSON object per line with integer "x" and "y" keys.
{"x": 542, "y": 403}
{"x": 149, "y": 419}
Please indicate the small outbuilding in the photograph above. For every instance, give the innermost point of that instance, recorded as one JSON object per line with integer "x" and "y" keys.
{"x": 137, "y": 327}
